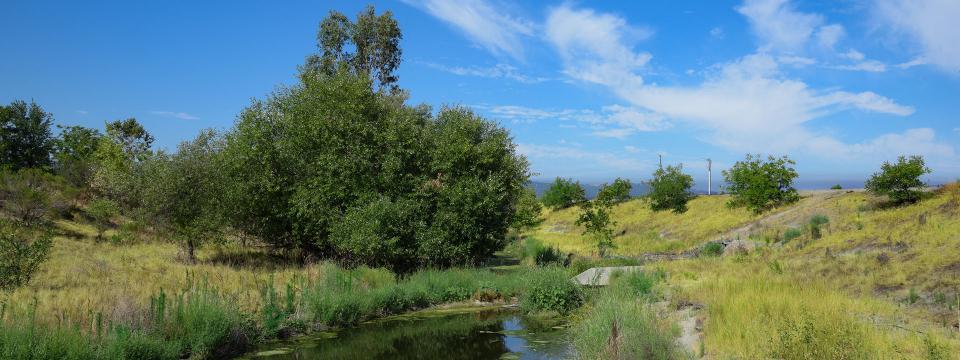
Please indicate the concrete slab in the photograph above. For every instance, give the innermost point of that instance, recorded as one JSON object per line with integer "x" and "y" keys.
{"x": 600, "y": 276}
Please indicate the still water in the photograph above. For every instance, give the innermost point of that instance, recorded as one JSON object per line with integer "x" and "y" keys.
{"x": 487, "y": 334}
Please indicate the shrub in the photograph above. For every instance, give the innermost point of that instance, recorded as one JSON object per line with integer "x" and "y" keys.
{"x": 102, "y": 211}
{"x": 539, "y": 254}
{"x": 551, "y": 289}
{"x": 595, "y": 218}
{"x": 25, "y": 140}
{"x": 670, "y": 189}
{"x": 761, "y": 184}
{"x": 807, "y": 337}
{"x": 528, "y": 210}
{"x": 712, "y": 249}
{"x": 836, "y": 187}
{"x": 790, "y": 234}
{"x": 21, "y": 253}
{"x": 815, "y": 223}
{"x": 32, "y": 195}
{"x": 899, "y": 181}
{"x": 563, "y": 193}
{"x": 617, "y": 192}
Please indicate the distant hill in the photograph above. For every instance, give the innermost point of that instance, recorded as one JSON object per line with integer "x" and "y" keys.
{"x": 639, "y": 189}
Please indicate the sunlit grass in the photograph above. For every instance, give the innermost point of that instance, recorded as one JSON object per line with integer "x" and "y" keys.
{"x": 640, "y": 230}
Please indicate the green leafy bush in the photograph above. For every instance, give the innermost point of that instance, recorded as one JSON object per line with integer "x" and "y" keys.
{"x": 22, "y": 251}
{"x": 551, "y": 289}
{"x": 595, "y": 218}
{"x": 712, "y": 249}
{"x": 102, "y": 211}
{"x": 790, "y": 234}
{"x": 836, "y": 187}
{"x": 563, "y": 193}
{"x": 760, "y": 184}
{"x": 25, "y": 139}
{"x": 528, "y": 210}
{"x": 670, "y": 189}
{"x": 617, "y": 192}
{"x": 900, "y": 181}
{"x": 540, "y": 254}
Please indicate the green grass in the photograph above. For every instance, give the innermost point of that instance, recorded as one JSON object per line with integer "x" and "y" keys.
{"x": 621, "y": 324}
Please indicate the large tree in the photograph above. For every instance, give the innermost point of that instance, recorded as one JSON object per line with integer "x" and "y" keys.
{"x": 670, "y": 189}
{"x": 132, "y": 137}
{"x": 368, "y": 46}
{"x": 74, "y": 152}
{"x": 334, "y": 167}
{"x": 25, "y": 139}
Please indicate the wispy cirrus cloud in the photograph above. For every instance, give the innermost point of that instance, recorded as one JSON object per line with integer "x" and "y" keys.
{"x": 502, "y": 71}
{"x": 930, "y": 24}
{"x": 483, "y": 23}
{"x": 612, "y": 121}
{"x": 175, "y": 115}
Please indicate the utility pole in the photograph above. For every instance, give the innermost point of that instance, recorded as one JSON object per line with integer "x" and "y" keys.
{"x": 709, "y": 176}
{"x": 660, "y": 156}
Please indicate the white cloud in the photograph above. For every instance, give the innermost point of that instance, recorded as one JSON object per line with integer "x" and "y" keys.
{"x": 921, "y": 141}
{"x": 782, "y": 28}
{"x": 614, "y": 121}
{"x": 932, "y": 24}
{"x": 632, "y": 149}
{"x": 482, "y": 22}
{"x": 854, "y": 55}
{"x": 717, "y": 33}
{"x": 82, "y": 112}
{"x": 593, "y": 46}
{"x": 829, "y": 35}
{"x": 176, "y": 115}
{"x": 745, "y": 105}
{"x": 503, "y": 71}
{"x": 868, "y": 66}
{"x": 797, "y": 61}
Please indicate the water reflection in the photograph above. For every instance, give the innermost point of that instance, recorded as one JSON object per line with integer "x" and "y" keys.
{"x": 490, "y": 334}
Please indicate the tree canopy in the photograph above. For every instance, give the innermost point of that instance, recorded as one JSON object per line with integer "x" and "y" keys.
{"x": 617, "y": 192}
{"x": 900, "y": 181}
{"x": 760, "y": 184}
{"x": 25, "y": 139}
{"x": 670, "y": 189}
{"x": 368, "y": 46}
{"x": 563, "y": 193}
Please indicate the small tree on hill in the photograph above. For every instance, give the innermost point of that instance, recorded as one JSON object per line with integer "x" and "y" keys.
{"x": 102, "y": 211}
{"x": 899, "y": 181}
{"x": 595, "y": 218}
{"x": 670, "y": 189}
{"x": 563, "y": 193}
{"x": 528, "y": 210}
{"x": 760, "y": 184}
{"x": 617, "y": 192}
{"x": 21, "y": 253}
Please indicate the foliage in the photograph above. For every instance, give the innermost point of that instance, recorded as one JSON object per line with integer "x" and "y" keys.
{"x": 132, "y": 137}
{"x": 528, "y": 210}
{"x": 74, "y": 152}
{"x": 617, "y": 192}
{"x": 21, "y": 252}
{"x": 836, "y": 187}
{"x": 25, "y": 139}
{"x": 900, "y": 181}
{"x": 563, "y": 193}
{"x": 712, "y": 249}
{"x": 185, "y": 196}
{"x": 761, "y": 184}
{"x": 539, "y": 254}
{"x": 331, "y": 149}
{"x": 791, "y": 233}
{"x": 618, "y": 326}
{"x": 551, "y": 289}
{"x": 670, "y": 189}
{"x": 374, "y": 39}
{"x": 595, "y": 218}
{"x": 102, "y": 211}
{"x": 31, "y": 195}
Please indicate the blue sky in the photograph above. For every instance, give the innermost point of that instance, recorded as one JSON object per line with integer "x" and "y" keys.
{"x": 589, "y": 90}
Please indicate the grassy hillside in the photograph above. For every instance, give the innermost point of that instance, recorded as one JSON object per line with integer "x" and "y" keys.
{"x": 879, "y": 282}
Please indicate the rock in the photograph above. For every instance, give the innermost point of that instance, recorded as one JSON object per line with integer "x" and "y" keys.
{"x": 735, "y": 247}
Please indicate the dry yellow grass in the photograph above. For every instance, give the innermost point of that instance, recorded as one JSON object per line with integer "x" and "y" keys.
{"x": 83, "y": 277}
{"x": 641, "y": 230}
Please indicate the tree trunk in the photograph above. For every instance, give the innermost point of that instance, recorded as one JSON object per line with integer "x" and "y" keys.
{"x": 191, "y": 257}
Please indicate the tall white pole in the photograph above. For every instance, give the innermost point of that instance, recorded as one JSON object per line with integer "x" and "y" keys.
{"x": 709, "y": 176}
